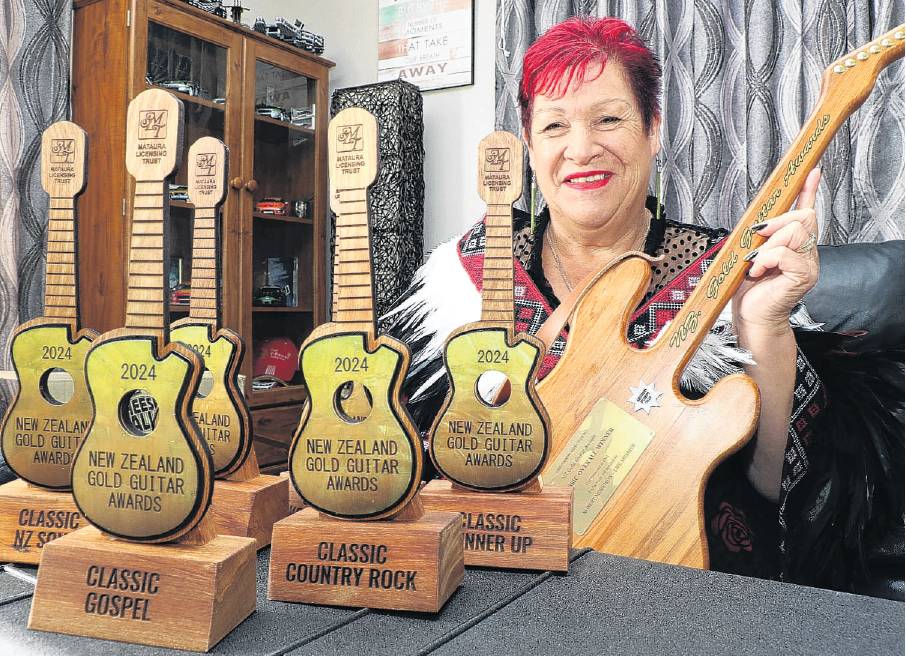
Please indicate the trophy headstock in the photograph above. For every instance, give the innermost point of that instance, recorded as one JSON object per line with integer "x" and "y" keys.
{"x": 154, "y": 135}
{"x": 852, "y": 76}
{"x": 500, "y": 168}
{"x": 352, "y": 151}
{"x": 64, "y": 151}
{"x": 207, "y": 172}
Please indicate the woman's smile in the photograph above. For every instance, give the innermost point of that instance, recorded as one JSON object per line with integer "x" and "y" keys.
{"x": 587, "y": 180}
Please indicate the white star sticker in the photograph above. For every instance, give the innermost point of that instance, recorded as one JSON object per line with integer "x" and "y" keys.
{"x": 644, "y": 397}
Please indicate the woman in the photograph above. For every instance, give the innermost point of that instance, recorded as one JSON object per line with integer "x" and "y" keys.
{"x": 591, "y": 119}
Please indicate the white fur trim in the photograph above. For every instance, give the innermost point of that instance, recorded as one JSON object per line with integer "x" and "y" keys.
{"x": 441, "y": 278}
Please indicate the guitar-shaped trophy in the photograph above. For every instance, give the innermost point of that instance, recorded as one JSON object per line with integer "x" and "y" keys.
{"x": 143, "y": 473}
{"x": 636, "y": 450}
{"x": 48, "y": 417}
{"x": 490, "y": 436}
{"x": 245, "y": 502}
{"x": 365, "y": 466}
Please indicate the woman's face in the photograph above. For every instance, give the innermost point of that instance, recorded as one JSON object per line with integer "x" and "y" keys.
{"x": 590, "y": 151}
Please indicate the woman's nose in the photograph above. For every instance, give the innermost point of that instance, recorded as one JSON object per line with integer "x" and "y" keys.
{"x": 581, "y": 146}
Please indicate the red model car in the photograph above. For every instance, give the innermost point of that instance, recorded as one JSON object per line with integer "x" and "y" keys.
{"x": 181, "y": 295}
{"x": 272, "y": 205}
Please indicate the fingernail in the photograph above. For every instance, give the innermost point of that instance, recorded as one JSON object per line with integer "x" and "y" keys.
{"x": 759, "y": 226}
{"x": 751, "y": 256}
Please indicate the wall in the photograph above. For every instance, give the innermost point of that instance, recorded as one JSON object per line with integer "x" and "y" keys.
{"x": 455, "y": 119}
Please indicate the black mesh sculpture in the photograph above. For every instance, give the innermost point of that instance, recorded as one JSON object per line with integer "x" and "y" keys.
{"x": 398, "y": 196}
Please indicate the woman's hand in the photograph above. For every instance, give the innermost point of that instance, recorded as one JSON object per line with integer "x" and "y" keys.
{"x": 780, "y": 274}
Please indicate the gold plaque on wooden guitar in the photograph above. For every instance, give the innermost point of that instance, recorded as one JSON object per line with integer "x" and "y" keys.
{"x": 51, "y": 411}
{"x": 143, "y": 471}
{"x": 356, "y": 454}
{"x": 491, "y": 432}
{"x": 246, "y": 503}
{"x": 636, "y": 450}
{"x": 344, "y": 465}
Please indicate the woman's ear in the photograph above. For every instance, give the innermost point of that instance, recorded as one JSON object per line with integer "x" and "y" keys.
{"x": 526, "y": 138}
{"x": 654, "y": 135}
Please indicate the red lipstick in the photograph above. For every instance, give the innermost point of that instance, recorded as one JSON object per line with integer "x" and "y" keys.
{"x": 586, "y": 180}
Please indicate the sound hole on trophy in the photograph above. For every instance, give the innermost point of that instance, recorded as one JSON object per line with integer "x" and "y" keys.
{"x": 206, "y": 384}
{"x": 56, "y": 386}
{"x": 352, "y": 401}
{"x": 493, "y": 388}
{"x": 138, "y": 412}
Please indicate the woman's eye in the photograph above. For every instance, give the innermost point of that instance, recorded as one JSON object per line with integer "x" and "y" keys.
{"x": 552, "y": 126}
{"x": 608, "y": 120}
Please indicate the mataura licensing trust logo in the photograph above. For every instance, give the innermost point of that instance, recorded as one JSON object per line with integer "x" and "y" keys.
{"x": 152, "y": 124}
{"x": 497, "y": 160}
{"x": 349, "y": 138}
{"x": 62, "y": 151}
{"x": 205, "y": 164}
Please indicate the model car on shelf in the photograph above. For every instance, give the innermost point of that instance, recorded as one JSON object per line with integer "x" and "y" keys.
{"x": 181, "y": 295}
{"x": 272, "y": 205}
{"x": 211, "y": 6}
{"x": 271, "y": 111}
{"x": 179, "y": 192}
{"x": 292, "y": 33}
{"x": 269, "y": 296}
{"x": 187, "y": 87}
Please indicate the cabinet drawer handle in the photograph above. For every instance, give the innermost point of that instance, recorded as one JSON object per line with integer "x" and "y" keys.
{"x": 236, "y": 183}
{"x": 251, "y": 185}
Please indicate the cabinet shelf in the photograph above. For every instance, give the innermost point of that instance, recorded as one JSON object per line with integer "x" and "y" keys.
{"x": 192, "y": 100}
{"x": 285, "y": 219}
{"x": 301, "y": 129}
{"x": 263, "y": 308}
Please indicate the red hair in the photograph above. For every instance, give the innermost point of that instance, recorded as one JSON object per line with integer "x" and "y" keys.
{"x": 565, "y": 51}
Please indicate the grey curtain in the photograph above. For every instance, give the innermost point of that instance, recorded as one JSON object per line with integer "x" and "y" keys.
{"x": 740, "y": 77}
{"x": 35, "y": 38}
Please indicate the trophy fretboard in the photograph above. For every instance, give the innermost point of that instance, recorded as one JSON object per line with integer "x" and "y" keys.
{"x": 61, "y": 291}
{"x": 353, "y": 290}
{"x": 146, "y": 306}
{"x": 205, "y": 296}
{"x": 497, "y": 280}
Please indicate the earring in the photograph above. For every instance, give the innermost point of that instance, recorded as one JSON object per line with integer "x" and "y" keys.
{"x": 532, "y": 203}
{"x": 658, "y": 184}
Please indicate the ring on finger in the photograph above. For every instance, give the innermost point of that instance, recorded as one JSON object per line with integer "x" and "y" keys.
{"x": 808, "y": 244}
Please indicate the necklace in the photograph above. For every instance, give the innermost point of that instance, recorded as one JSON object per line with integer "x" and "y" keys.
{"x": 549, "y": 233}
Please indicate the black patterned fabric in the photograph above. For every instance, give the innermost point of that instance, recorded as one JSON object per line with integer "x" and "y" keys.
{"x": 397, "y": 198}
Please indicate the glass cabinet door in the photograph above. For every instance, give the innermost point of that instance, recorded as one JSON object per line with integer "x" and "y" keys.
{"x": 284, "y": 200}
{"x": 197, "y": 71}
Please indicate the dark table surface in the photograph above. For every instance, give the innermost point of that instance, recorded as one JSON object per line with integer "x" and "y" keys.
{"x": 606, "y": 605}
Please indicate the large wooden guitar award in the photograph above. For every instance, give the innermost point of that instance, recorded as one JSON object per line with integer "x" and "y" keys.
{"x": 637, "y": 452}
{"x": 490, "y": 438}
{"x": 245, "y": 503}
{"x": 46, "y": 421}
{"x": 364, "y": 539}
{"x": 150, "y": 569}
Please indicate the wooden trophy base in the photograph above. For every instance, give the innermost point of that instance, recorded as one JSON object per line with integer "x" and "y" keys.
{"x": 398, "y": 564}
{"x": 174, "y": 595}
{"x": 30, "y": 517}
{"x": 519, "y": 530}
{"x": 250, "y": 508}
{"x": 295, "y": 501}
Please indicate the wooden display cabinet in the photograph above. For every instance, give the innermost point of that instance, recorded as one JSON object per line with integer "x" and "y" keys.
{"x": 224, "y": 73}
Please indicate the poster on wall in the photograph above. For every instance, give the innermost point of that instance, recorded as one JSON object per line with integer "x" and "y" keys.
{"x": 426, "y": 42}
